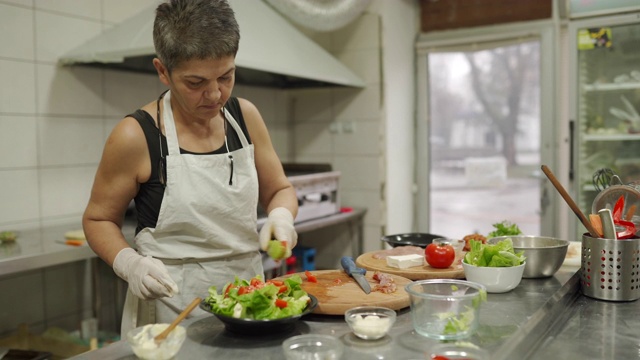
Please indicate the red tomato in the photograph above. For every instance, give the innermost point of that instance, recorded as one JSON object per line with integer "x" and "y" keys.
{"x": 440, "y": 256}
{"x": 276, "y": 282}
{"x": 439, "y": 357}
{"x": 226, "y": 291}
{"x": 281, "y": 303}
{"x": 255, "y": 282}
{"x": 245, "y": 289}
{"x": 310, "y": 276}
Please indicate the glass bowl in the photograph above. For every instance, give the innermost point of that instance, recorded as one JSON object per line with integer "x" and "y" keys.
{"x": 445, "y": 309}
{"x": 143, "y": 345}
{"x": 313, "y": 346}
{"x": 370, "y": 322}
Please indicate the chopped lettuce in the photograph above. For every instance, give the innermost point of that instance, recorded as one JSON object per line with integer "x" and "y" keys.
{"x": 504, "y": 228}
{"x": 260, "y": 302}
{"x": 461, "y": 322}
{"x": 500, "y": 254}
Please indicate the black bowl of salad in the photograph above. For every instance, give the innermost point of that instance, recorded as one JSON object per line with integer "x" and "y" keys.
{"x": 257, "y": 307}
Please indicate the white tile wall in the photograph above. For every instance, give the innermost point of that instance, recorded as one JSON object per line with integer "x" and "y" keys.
{"x": 18, "y": 141}
{"x": 17, "y": 89}
{"x": 16, "y": 32}
{"x": 361, "y": 34}
{"x": 65, "y": 191}
{"x": 57, "y": 34}
{"x": 117, "y": 10}
{"x": 69, "y": 90}
{"x": 69, "y": 141}
{"x": 88, "y": 9}
{"x": 125, "y": 91}
{"x": 20, "y": 189}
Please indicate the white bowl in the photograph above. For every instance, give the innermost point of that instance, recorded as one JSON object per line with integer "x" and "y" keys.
{"x": 370, "y": 322}
{"x": 143, "y": 345}
{"x": 495, "y": 279}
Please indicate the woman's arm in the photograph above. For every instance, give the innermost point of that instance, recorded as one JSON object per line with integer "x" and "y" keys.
{"x": 275, "y": 189}
{"x": 124, "y": 159}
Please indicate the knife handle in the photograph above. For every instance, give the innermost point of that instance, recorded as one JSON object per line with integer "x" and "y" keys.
{"x": 350, "y": 266}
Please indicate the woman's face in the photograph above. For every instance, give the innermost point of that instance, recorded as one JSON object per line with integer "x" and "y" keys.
{"x": 201, "y": 87}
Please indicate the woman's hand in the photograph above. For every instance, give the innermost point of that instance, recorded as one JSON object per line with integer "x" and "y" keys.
{"x": 148, "y": 278}
{"x": 279, "y": 226}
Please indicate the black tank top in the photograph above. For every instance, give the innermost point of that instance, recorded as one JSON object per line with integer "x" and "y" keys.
{"x": 150, "y": 194}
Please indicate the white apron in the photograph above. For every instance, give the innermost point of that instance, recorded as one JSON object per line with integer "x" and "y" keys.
{"x": 206, "y": 231}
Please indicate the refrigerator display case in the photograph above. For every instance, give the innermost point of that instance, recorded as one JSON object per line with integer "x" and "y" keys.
{"x": 604, "y": 102}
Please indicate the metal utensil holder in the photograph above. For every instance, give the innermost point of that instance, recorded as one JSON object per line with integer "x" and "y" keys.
{"x": 610, "y": 269}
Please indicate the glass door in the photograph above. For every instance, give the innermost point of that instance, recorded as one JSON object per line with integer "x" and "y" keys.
{"x": 605, "y": 105}
{"x": 485, "y": 132}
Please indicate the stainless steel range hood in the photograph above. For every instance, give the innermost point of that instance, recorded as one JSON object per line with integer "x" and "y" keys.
{"x": 272, "y": 51}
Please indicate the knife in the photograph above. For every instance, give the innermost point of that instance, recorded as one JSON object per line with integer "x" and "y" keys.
{"x": 356, "y": 273}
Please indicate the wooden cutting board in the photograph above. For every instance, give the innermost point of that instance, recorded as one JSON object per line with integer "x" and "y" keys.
{"x": 337, "y": 292}
{"x": 369, "y": 262}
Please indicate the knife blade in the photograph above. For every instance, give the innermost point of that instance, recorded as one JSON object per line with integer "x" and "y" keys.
{"x": 356, "y": 273}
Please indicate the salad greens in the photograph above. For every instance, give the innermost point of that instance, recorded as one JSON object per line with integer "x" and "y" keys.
{"x": 500, "y": 254}
{"x": 505, "y": 228}
{"x": 255, "y": 299}
{"x": 463, "y": 321}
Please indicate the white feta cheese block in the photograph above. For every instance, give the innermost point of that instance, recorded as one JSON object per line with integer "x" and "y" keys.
{"x": 405, "y": 261}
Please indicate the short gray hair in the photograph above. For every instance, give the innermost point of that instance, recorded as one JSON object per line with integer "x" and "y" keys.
{"x": 194, "y": 29}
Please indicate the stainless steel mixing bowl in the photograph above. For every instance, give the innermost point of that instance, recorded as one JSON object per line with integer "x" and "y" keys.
{"x": 545, "y": 255}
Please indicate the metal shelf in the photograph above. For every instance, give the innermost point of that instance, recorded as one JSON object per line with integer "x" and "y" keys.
{"x": 611, "y": 87}
{"x": 611, "y": 137}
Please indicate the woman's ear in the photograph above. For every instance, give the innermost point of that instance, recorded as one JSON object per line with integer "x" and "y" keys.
{"x": 163, "y": 72}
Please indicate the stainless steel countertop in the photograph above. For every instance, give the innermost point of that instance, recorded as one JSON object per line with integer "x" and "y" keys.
{"x": 38, "y": 248}
{"x": 41, "y": 247}
{"x": 540, "y": 319}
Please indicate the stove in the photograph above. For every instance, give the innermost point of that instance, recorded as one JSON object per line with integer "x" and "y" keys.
{"x": 317, "y": 189}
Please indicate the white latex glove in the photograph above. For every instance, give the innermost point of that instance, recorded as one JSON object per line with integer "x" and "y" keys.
{"x": 148, "y": 278}
{"x": 279, "y": 226}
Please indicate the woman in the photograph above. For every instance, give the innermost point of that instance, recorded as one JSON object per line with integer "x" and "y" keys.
{"x": 196, "y": 170}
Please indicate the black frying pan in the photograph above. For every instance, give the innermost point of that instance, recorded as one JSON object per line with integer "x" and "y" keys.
{"x": 415, "y": 239}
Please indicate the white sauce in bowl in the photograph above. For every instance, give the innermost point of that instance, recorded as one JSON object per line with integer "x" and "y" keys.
{"x": 370, "y": 326}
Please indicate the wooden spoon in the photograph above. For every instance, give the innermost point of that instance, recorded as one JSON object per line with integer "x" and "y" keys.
{"x": 570, "y": 201}
{"x": 163, "y": 335}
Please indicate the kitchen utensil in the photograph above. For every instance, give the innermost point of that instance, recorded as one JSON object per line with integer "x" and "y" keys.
{"x": 415, "y": 239}
{"x": 338, "y": 292}
{"x": 163, "y": 335}
{"x": 357, "y": 273}
{"x": 569, "y": 200}
{"x": 602, "y": 178}
{"x": 544, "y": 255}
{"x": 445, "y": 309}
{"x": 258, "y": 327}
{"x": 608, "y": 227}
{"x": 609, "y": 269}
{"x": 607, "y": 198}
{"x": 372, "y": 262}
